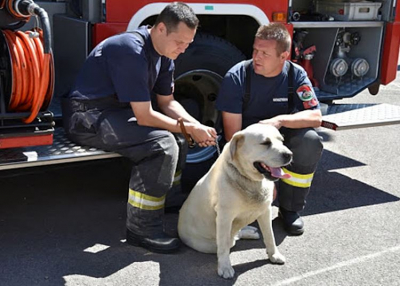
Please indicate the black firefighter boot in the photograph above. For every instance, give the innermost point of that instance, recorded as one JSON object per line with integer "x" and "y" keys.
{"x": 291, "y": 201}
{"x": 145, "y": 229}
{"x": 292, "y": 221}
{"x": 160, "y": 243}
{"x": 306, "y": 146}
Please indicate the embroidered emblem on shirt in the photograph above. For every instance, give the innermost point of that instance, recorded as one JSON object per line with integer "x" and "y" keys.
{"x": 305, "y": 93}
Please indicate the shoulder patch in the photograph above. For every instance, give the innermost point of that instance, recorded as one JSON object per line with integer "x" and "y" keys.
{"x": 305, "y": 93}
{"x": 310, "y": 104}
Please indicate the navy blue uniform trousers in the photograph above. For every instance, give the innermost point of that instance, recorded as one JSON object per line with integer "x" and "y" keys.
{"x": 157, "y": 156}
{"x": 307, "y": 147}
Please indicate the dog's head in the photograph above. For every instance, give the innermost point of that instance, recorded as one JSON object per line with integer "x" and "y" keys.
{"x": 258, "y": 152}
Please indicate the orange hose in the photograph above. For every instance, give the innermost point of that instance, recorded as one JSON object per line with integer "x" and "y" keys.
{"x": 32, "y": 78}
{"x": 16, "y": 14}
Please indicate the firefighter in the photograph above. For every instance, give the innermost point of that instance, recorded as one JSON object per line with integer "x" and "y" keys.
{"x": 122, "y": 101}
{"x": 272, "y": 90}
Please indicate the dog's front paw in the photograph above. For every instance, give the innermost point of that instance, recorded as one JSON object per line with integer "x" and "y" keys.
{"x": 226, "y": 271}
{"x": 277, "y": 258}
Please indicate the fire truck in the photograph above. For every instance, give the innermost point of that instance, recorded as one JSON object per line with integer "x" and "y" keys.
{"x": 345, "y": 47}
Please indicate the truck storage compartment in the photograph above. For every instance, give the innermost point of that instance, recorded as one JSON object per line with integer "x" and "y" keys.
{"x": 346, "y": 55}
{"x": 349, "y": 11}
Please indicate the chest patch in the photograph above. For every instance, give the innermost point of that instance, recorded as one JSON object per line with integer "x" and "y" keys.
{"x": 280, "y": 99}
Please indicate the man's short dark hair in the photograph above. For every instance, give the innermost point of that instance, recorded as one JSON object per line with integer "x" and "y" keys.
{"x": 277, "y": 32}
{"x": 177, "y": 12}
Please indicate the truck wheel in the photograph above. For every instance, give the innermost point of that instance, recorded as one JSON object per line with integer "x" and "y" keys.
{"x": 198, "y": 75}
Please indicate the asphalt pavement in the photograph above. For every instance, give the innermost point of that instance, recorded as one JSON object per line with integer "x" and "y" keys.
{"x": 65, "y": 224}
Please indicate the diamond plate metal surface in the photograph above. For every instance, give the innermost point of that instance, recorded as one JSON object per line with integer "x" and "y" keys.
{"x": 61, "y": 151}
{"x": 351, "y": 116}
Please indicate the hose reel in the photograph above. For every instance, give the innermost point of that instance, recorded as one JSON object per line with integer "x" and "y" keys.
{"x": 27, "y": 56}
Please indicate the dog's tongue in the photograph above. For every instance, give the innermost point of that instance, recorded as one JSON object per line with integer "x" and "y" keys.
{"x": 279, "y": 173}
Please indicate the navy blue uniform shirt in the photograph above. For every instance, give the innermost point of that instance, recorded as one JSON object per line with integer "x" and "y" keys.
{"x": 268, "y": 96}
{"x": 126, "y": 66}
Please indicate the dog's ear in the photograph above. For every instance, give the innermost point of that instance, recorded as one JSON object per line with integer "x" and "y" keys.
{"x": 236, "y": 142}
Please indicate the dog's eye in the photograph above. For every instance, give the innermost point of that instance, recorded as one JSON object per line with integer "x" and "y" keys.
{"x": 266, "y": 142}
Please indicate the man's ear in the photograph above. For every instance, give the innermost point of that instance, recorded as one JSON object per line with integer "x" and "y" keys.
{"x": 161, "y": 28}
{"x": 235, "y": 143}
{"x": 285, "y": 56}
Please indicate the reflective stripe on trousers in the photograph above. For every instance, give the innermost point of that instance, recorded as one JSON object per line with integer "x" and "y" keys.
{"x": 154, "y": 154}
{"x": 298, "y": 180}
{"x": 306, "y": 146}
{"x": 145, "y": 202}
{"x": 177, "y": 177}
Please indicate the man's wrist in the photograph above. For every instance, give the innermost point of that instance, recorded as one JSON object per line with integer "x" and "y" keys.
{"x": 189, "y": 127}
{"x": 280, "y": 119}
{"x": 186, "y": 129}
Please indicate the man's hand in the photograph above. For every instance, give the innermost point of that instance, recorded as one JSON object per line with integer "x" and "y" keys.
{"x": 202, "y": 134}
{"x": 275, "y": 121}
{"x": 301, "y": 119}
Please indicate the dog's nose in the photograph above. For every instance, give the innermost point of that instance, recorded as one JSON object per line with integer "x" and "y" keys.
{"x": 287, "y": 155}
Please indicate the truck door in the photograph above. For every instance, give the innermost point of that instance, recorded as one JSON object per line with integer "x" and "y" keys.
{"x": 391, "y": 44}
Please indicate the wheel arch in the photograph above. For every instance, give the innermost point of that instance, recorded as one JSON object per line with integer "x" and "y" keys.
{"x": 235, "y": 23}
{"x": 225, "y": 36}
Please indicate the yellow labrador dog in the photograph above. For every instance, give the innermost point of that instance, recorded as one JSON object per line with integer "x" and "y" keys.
{"x": 237, "y": 190}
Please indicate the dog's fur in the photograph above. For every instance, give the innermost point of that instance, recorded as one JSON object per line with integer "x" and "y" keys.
{"x": 233, "y": 194}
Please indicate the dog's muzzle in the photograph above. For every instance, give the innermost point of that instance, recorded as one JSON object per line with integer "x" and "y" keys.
{"x": 271, "y": 173}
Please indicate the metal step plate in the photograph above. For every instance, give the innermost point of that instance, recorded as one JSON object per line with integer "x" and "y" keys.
{"x": 336, "y": 117}
{"x": 352, "y": 116}
{"x": 61, "y": 151}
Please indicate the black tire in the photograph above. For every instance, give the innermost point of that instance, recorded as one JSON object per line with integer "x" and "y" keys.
{"x": 209, "y": 53}
{"x": 198, "y": 75}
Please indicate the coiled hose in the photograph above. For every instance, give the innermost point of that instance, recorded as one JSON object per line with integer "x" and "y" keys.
{"x": 32, "y": 65}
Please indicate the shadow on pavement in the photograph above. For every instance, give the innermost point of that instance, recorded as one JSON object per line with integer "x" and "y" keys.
{"x": 50, "y": 217}
{"x": 332, "y": 191}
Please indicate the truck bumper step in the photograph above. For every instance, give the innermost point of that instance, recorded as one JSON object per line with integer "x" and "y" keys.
{"x": 336, "y": 117}
{"x": 61, "y": 151}
{"x": 352, "y": 116}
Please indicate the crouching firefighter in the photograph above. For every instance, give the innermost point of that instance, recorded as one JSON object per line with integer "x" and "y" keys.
{"x": 272, "y": 90}
{"x": 122, "y": 101}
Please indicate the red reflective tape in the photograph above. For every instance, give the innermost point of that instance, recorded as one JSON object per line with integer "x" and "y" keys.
{"x": 25, "y": 141}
